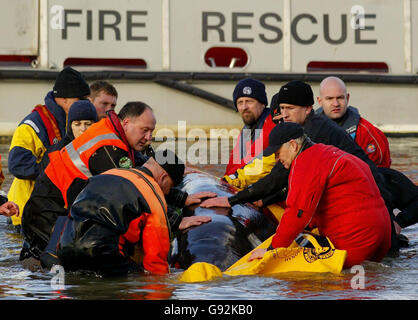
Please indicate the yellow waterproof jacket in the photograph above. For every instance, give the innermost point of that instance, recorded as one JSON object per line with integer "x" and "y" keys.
{"x": 29, "y": 143}
{"x": 252, "y": 172}
{"x": 21, "y": 189}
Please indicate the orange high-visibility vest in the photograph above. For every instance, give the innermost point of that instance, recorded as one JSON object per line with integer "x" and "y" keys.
{"x": 155, "y": 229}
{"x": 72, "y": 161}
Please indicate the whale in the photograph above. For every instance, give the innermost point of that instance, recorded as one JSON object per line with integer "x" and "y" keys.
{"x": 230, "y": 235}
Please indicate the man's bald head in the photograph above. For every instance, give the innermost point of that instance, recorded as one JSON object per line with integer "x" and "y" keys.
{"x": 333, "y": 97}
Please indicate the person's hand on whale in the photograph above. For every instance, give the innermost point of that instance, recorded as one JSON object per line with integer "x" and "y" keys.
{"x": 193, "y": 221}
{"x": 196, "y": 198}
{"x": 216, "y": 202}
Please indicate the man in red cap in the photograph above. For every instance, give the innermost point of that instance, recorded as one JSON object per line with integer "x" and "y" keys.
{"x": 332, "y": 190}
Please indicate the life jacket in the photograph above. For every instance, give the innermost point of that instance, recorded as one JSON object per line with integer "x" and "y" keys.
{"x": 154, "y": 232}
{"x": 72, "y": 161}
{"x": 247, "y": 148}
{"x": 350, "y": 121}
{"x": 50, "y": 123}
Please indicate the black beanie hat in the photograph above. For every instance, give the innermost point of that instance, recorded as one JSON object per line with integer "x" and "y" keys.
{"x": 250, "y": 88}
{"x": 70, "y": 84}
{"x": 294, "y": 92}
{"x": 169, "y": 161}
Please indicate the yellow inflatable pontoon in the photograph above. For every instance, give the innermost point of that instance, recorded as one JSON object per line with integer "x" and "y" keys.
{"x": 306, "y": 254}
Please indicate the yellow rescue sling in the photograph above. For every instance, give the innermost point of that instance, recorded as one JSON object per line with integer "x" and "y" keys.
{"x": 315, "y": 258}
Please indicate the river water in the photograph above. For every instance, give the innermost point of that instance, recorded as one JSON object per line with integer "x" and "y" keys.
{"x": 393, "y": 278}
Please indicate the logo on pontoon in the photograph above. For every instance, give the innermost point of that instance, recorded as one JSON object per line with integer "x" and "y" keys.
{"x": 247, "y": 91}
{"x": 285, "y": 254}
{"x": 311, "y": 254}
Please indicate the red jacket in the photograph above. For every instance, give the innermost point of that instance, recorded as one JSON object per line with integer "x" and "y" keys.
{"x": 335, "y": 191}
{"x": 246, "y": 149}
{"x": 374, "y": 143}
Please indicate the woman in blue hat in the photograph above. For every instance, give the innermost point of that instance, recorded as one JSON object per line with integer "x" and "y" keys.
{"x": 82, "y": 114}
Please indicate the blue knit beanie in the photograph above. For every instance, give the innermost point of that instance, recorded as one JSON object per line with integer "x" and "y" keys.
{"x": 82, "y": 110}
{"x": 250, "y": 88}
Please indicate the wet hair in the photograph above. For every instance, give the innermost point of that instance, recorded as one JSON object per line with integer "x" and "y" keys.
{"x": 133, "y": 109}
{"x": 99, "y": 86}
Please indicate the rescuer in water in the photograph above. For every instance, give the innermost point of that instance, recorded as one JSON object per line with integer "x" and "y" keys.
{"x": 45, "y": 203}
{"x": 42, "y": 128}
{"x": 119, "y": 222}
